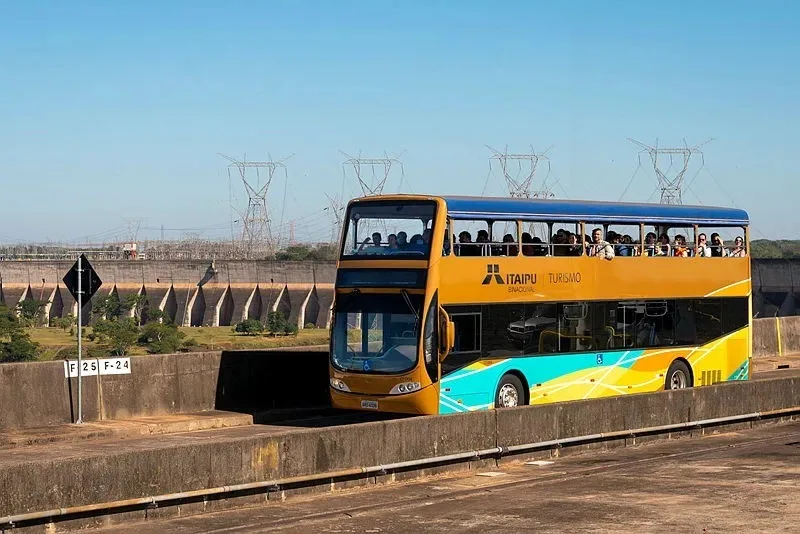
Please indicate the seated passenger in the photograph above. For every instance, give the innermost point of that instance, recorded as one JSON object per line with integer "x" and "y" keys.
{"x": 600, "y": 248}
{"x": 664, "y": 247}
{"x": 702, "y": 250}
{"x": 375, "y": 248}
{"x": 527, "y": 248}
{"x": 627, "y": 243}
{"x": 555, "y": 242}
{"x": 616, "y": 241}
{"x": 680, "y": 249}
{"x": 539, "y": 248}
{"x": 402, "y": 240}
{"x": 573, "y": 248}
{"x": 738, "y": 250}
{"x": 717, "y": 246}
{"x": 510, "y": 247}
{"x": 426, "y": 237}
{"x": 392, "y": 242}
{"x": 482, "y": 239}
{"x": 650, "y": 247}
{"x": 465, "y": 246}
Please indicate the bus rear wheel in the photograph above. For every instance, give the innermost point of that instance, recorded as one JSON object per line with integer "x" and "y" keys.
{"x": 678, "y": 376}
{"x": 510, "y": 392}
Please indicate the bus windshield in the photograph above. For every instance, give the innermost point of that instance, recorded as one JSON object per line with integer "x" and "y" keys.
{"x": 376, "y": 333}
{"x": 389, "y": 228}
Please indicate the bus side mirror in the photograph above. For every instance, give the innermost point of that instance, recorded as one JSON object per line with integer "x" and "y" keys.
{"x": 447, "y": 335}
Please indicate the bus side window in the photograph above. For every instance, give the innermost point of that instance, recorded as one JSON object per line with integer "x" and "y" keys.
{"x": 449, "y": 239}
{"x": 468, "y": 333}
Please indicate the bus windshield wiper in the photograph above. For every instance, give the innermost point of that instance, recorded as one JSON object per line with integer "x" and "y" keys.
{"x": 410, "y": 305}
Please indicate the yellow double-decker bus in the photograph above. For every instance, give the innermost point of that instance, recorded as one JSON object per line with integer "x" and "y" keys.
{"x": 549, "y": 301}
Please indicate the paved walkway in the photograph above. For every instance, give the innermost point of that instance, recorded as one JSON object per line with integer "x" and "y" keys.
{"x": 734, "y": 482}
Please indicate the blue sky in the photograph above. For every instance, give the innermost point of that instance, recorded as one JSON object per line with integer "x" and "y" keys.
{"x": 114, "y": 112}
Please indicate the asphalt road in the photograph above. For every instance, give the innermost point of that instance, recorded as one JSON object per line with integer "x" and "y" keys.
{"x": 747, "y": 481}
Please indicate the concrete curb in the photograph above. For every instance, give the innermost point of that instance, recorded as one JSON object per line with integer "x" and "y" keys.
{"x": 121, "y": 429}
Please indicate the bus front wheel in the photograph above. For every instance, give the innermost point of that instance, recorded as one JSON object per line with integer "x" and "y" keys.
{"x": 678, "y": 376}
{"x": 510, "y": 392}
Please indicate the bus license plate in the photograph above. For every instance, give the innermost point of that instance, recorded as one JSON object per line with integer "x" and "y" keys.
{"x": 372, "y": 405}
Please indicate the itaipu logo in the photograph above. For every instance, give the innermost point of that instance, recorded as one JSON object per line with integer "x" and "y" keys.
{"x": 516, "y": 282}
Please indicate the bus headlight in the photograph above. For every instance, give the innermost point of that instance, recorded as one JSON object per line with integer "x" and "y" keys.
{"x": 339, "y": 385}
{"x": 405, "y": 387}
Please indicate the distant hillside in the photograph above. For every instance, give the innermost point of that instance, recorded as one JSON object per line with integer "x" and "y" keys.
{"x": 781, "y": 248}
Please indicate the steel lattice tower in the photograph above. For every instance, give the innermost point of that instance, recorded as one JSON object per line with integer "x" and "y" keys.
{"x": 520, "y": 184}
{"x": 256, "y": 237}
{"x": 374, "y": 184}
{"x": 670, "y": 184}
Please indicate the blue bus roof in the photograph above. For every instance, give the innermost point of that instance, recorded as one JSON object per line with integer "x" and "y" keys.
{"x": 495, "y": 208}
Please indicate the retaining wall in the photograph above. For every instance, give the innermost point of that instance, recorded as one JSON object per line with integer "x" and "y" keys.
{"x": 192, "y": 462}
{"x": 776, "y": 336}
{"x": 37, "y": 394}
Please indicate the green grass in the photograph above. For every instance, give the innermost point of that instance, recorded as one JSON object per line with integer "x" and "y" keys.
{"x": 55, "y": 343}
{"x": 223, "y": 337}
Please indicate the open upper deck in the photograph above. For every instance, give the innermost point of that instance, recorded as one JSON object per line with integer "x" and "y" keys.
{"x": 498, "y": 209}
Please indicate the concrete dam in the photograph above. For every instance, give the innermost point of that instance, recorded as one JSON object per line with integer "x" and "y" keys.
{"x": 189, "y": 293}
{"x": 222, "y": 293}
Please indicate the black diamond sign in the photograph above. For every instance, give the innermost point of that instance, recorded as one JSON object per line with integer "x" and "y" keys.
{"x": 90, "y": 282}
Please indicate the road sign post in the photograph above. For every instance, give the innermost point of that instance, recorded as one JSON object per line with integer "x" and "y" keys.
{"x": 82, "y": 281}
{"x": 80, "y": 339}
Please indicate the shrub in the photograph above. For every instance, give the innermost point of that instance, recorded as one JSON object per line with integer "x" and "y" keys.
{"x": 249, "y": 327}
{"x": 63, "y": 322}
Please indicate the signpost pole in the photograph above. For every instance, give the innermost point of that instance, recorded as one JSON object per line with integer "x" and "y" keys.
{"x": 80, "y": 321}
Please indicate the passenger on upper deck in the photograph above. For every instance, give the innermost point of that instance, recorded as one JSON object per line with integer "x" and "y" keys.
{"x": 717, "y": 246}
{"x": 375, "y": 248}
{"x": 680, "y": 248}
{"x": 664, "y": 248}
{"x": 426, "y": 237}
{"x": 482, "y": 239}
{"x": 702, "y": 250}
{"x": 738, "y": 250}
{"x": 402, "y": 240}
{"x": 600, "y": 248}
{"x": 527, "y": 248}
{"x": 465, "y": 246}
{"x": 510, "y": 247}
{"x": 574, "y": 248}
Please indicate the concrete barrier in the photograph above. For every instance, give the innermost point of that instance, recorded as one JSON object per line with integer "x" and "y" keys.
{"x": 776, "y": 336}
{"x": 89, "y": 473}
{"x": 37, "y": 394}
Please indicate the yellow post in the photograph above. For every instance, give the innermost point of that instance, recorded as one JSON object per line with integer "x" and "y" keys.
{"x": 778, "y": 332}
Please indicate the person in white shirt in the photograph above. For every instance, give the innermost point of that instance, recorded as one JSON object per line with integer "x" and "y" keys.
{"x": 702, "y": 250}
{"x": 599, "y": 247}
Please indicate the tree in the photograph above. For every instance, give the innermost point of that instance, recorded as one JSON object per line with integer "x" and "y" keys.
{"x": 109, "y": 307}
{"x": 31, "y": 311}
{"x": 121, "y": 334}
{"x": 161, "y": 338}
{"x": 278, "y": 324}
{"x": 15, "y": 344}
{"x": 135, "y": 302}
